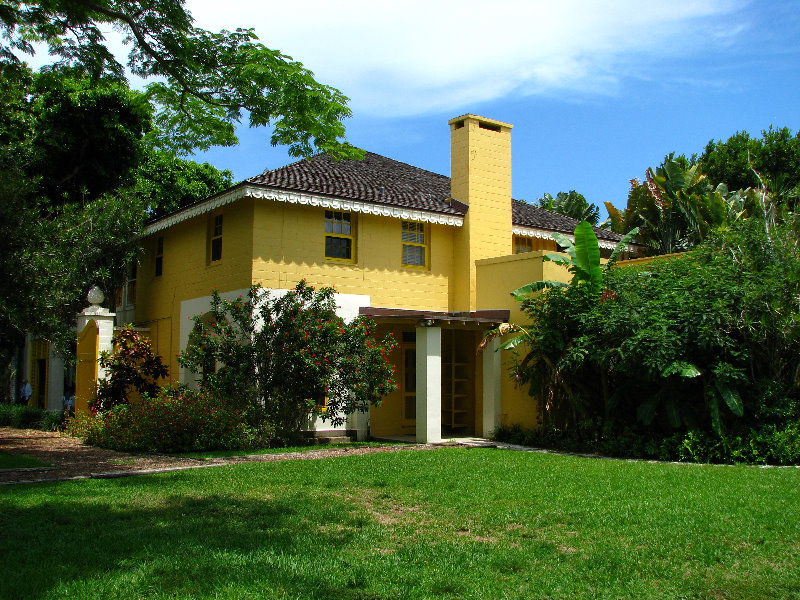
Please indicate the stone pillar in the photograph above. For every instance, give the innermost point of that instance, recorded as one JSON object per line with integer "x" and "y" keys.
{"x": 429, "y": 384}
{"x": 95, "y": 334}
{"x": 492, "y": 384}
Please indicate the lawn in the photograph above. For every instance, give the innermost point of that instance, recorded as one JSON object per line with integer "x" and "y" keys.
{"x": 450, "y": 523}
{"x": 19, "y": 461}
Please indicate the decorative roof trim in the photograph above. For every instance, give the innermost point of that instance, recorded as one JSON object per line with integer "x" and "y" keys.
{"x": 548, "y": 235}
{"x": 195, "y": 210}
{"x": 267, "y": 193}
{"x": 369, "y": 208}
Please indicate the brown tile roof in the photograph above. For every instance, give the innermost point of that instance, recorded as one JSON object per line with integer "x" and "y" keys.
{"x": 528, "y": 215}
{"x": 385, "y": 181}
{"x": 375, "y": 179}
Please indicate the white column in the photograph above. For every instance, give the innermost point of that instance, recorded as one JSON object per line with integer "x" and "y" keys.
{"x": 492, "y": 394}
{"x": 55, "y": 381}
{"x": 429, "y": 384}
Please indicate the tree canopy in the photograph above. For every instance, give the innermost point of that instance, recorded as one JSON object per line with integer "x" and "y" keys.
{"x": 772, "y": 161}
{"x": 78, "y": 179}
{"x": 84, "y": 160}
{"x": 206, "y": 82}
{"x": 572, "y": 204}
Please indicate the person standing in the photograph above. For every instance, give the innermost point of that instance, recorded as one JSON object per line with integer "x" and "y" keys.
{"x": 27, "y": 391}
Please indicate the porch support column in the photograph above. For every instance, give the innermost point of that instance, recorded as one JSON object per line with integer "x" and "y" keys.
{"x": 492, "y": 394}
{"x": 429, "y": 384}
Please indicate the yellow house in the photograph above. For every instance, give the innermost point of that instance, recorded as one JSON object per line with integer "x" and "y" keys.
{"x": 430, "y": 258}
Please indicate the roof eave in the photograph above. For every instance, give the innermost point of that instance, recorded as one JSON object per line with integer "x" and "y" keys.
{"x": 251, "y": 190}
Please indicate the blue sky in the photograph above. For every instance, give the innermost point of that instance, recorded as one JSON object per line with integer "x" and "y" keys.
{"x": 596, "y": 91}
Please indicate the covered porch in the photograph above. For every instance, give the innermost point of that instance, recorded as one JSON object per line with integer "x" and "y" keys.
{"x": 447, "y": 389}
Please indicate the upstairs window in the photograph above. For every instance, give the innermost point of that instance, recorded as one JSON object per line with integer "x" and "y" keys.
{"x": 215, "y": 239}
{"x": 522, "y": 244}
{"x": 159, "y": 256}
{"x": 414, "y": 243}
{"x": 126, "y": 295}
{"x": 339, "y": 236}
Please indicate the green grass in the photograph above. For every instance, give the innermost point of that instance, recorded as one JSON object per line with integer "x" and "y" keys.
{"x": 226, "y": 453}
{"x": 20, "y": 461}
{"x": 451, "y": 523}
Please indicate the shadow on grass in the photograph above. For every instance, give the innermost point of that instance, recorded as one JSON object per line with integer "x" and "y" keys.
{"x": 80, "y": 542}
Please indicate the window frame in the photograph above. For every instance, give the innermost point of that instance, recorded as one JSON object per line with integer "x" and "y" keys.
{"x": 351, "y": 236}
{"x": 159, "y": 261}
{"x": 519, "y": 241}
{"x": 215, "y": 233}
{"x": 425, "y": 245}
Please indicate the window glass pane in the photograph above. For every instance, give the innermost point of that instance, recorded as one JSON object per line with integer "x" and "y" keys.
{"x": 338, "y": 247}
{"x": 216, "y": 249}
{"x": 414, "y": 238}
{"x": 414, "y": 255}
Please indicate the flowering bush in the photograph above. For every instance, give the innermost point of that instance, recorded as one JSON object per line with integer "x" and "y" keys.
{"x": 176, "y": 420}
{"x": 290, "y": 356}
{"x": 132, "y": 367}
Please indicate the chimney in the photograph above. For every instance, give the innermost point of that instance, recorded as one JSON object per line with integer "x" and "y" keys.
{"x": 480, "y": 176}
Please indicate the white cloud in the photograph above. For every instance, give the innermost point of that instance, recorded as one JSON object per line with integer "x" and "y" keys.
{"x": 416, "y": 56}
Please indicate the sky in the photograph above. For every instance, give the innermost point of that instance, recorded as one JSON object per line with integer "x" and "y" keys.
{"x": 597, "y": 92}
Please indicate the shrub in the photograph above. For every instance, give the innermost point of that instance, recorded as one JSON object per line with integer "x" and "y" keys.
{"x": 30, "y": 417}
{"x": 289, "y": 355}
{"x": 131, "y": 367}
{"x": 707, "y": 341}
{"x": 176, "y": 420}
{"x": 53, "y": 421}
{"x": 769, "y": 445}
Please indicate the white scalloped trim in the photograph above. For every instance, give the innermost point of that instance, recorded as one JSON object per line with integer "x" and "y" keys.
{"x": 548, "y": 235}
{"x": 397, "y": 212}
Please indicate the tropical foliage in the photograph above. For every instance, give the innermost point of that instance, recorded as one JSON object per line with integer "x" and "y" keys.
{"x": 707, "y": 341}
{"x": 772, "y": 162}
{"x": 675, "y": 208}
{"x": 572, "y": 204}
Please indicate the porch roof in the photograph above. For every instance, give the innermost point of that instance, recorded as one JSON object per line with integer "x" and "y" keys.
{"x": 475, "y": 317}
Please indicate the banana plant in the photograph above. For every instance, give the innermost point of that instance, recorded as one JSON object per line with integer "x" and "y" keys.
{"x": 582, "y": 260}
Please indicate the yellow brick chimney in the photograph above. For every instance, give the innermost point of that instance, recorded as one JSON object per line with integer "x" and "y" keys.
{"x": 480, "y": 176}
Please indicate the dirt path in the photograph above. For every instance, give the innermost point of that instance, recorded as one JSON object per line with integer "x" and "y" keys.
{"x": 72, "y": 459}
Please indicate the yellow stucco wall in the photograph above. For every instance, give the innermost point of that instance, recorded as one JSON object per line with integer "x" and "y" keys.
{"x": 289, "y": 245}
{"x": 496, "y": 279}
{"x": 187, "y": 273}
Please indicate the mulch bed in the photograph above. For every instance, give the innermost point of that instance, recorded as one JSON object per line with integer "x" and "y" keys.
{"x": 72, "y": 459}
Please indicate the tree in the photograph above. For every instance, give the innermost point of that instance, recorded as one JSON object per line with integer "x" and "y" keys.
{"x": 290, "y": 356}
{"x": 537, "y": 366}
{"x": 572, "y": 204}
{"x": 676, "y": 207}
{"x": 68, "y": 146}
{"x": 206, "y": 82}
{"x": 165, "y": 182}
{"x": 77, "y": 182}
{"x": 772, "y": 162}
